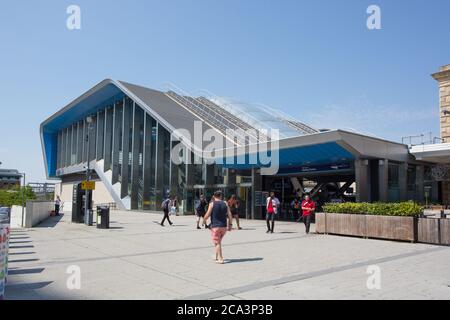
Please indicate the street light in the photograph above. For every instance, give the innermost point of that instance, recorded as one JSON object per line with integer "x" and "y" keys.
{"x": 23, "y": 198}
{"x": 87, "y": 212}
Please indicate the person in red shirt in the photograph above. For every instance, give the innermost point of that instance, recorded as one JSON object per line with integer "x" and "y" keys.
{"x": 308, "y": 208}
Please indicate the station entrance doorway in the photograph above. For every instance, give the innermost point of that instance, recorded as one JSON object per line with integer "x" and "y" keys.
{"x": 243, "y": 193}
{"x": 323, "y": 188}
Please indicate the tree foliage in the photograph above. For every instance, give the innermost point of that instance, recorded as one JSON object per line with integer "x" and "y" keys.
{"x": 15, "y": 196}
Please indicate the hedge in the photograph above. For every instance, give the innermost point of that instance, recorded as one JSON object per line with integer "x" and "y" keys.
{"x": 406, "y": 209}
{"x": 14, "y": 196}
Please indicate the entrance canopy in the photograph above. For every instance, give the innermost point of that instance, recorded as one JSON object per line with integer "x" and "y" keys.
{"x": 329, "y": 151}
{"x": 435, "y": 153}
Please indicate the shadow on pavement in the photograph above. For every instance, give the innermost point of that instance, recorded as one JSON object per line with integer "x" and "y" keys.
{"x": 19, "y": 242}
{"x": 29, "y": 286}
{"x": 51, "y": 222}
{"x": 23, "y": 260}
{"x": 21, "y": 253}
{"x": 25, "y": 271}
{"x": 21, "y": 247}
{"x": 228, "y": 261}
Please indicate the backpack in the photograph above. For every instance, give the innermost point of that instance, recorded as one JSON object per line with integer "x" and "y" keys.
{"x": 198, "y": 205}
{"x": 165, "y": 205}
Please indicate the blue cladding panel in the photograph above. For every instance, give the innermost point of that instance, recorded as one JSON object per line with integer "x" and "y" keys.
{"x": 327, "y": 153}
{"x": 51, "y": 146}
{"x": 84, "y": 108}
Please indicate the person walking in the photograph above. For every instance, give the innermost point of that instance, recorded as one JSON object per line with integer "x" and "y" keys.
{"x": 57, "y": 205}
{"x": 200, "y": 211}
{"x": 221, "y": 222}
{"x": 272, "y": 208}
{"x": 166, "y": 206}
{"x": 174, "y": 206}
{"x": 308, "y": 208}
{"x": 234, "y": 205}
{"x": 296, "y": 207}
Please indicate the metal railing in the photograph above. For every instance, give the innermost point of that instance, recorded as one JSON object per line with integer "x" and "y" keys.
{"x": 422, "y": 139}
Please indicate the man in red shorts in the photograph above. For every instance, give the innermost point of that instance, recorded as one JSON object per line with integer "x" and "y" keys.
{"x": 219, "y": 212}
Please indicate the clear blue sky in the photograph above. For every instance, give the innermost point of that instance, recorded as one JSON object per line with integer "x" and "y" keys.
{"x": 315, "y": 60}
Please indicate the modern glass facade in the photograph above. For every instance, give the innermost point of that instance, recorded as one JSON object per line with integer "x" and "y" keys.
{"x": 129, "y": 142}
{"x": 136, "y": 148}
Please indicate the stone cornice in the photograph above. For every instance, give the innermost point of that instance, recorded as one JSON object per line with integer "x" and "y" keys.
{"x": 442, "y": 75}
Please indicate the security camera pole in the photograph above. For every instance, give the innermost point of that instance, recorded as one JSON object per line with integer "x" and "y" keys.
{"x": 87, "y": 212}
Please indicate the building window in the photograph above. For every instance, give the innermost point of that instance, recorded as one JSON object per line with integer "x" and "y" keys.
{"x": 411, "y": 178}
{"x": 393, "y": 176}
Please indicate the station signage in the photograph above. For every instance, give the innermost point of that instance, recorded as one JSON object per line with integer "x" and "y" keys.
{"x": 88, "y": 185}
{"x": 318, "y": 168}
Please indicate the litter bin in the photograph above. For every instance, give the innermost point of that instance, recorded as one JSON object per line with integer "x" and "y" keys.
{"x": 102, "y": 217}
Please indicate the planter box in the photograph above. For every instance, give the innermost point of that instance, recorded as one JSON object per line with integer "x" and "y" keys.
{"x": 434, "y": 231}
{"x": 428, "y": 231}
{"x": 346, "y": 224}
{"x": 391, "y": 228}
{"x": 445, "y": 231}
{"x": 380, "y": 227}
{"x": 320, "y": 222}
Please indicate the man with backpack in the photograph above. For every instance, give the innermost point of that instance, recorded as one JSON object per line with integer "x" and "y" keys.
{"x": 272, "y": 208}
{"x": 200, "y": 211}
{"x": 166, "y": 206}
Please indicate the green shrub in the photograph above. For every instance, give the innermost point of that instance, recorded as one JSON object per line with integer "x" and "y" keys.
{"x": 15, "y": 196}
{"x": 406, "y": 209}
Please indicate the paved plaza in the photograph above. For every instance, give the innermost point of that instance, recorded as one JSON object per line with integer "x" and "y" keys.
{"x": 139, "y": 259}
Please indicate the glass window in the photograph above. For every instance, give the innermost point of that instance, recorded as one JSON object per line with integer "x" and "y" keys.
{"x": 100, "y": 134}
{"x": 393, "y": 175}
{"x": 411, "y": 178}
{"x": 92, "y": 138}
{"x": 137, "y": 158}
{"x": 163, "y": 164}
{"x": 108, "y": 137}
{"x": 150, "y": 163}
{"x": 117, "y": 147}
{"x": 73, "y": 158}
{"x": 69, "y": 146}
{"x": 80, "y": 142}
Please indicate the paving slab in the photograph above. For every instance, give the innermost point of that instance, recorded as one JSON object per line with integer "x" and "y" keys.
{"x": 139, "y": 259}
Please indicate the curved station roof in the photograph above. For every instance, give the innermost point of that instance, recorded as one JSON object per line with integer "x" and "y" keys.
{"x": 299, "y": 144}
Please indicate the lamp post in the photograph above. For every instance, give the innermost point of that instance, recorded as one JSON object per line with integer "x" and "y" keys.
{"x": 87, "y": 211}
{"x": 23, "y": 198}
